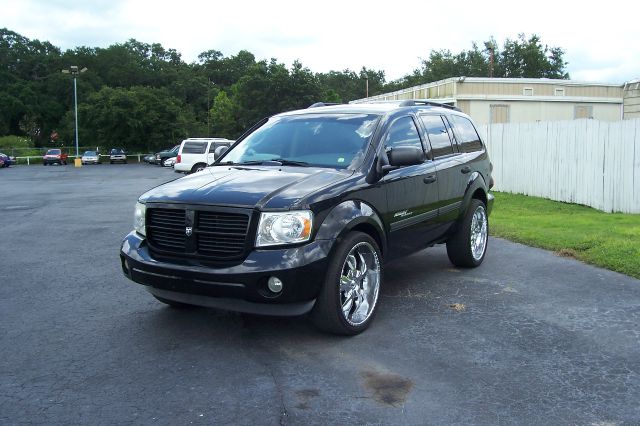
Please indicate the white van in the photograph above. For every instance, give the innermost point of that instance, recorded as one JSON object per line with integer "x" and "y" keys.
{"x": 197, "y": 153}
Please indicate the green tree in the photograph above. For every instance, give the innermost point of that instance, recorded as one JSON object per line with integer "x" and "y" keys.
{"x": 137, "y": 118}
{"x": 224, "y": 121}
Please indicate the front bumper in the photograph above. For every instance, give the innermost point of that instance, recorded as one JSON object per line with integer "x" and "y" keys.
{"x": 241, "y": 287}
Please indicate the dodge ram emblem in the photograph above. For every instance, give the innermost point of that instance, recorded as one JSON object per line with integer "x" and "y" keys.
{"x": 188, "y": 230}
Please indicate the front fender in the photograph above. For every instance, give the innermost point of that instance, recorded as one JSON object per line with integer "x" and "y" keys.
{"x": 346, "y": 216}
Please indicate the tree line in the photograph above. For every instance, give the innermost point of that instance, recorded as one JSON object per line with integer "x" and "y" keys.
{"x": 144, "y": 97}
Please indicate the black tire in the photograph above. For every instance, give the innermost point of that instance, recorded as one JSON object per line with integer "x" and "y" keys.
{"x": 110, "y": 162}
{"x": 174, "y": 304}
{"x": 327, "y": 312}
{"x": 459, "y": 247}
{"x": 198, "y": 167}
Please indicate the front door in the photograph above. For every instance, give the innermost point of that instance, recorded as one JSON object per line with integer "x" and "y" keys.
{"x": 412, "y": 194}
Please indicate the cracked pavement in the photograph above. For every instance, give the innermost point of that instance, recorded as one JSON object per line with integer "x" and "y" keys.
{"x": 533, "y": 339}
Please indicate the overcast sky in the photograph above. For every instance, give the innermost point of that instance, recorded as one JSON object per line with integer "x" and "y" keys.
{"x": 602, "y": 40}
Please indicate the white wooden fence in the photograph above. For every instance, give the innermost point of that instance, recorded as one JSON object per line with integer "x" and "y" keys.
{"x": 588, "y": 162}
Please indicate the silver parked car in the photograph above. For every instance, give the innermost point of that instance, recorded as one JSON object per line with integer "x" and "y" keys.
{"x": 117, "y": 155}
{"x": 90, "y": 157}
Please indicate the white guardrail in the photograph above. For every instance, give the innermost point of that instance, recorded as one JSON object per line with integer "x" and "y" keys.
{"x": 38, "y": 158}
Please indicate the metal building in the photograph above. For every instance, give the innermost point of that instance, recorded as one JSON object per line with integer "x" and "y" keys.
{"x": 505, "y": 100}
{"x": 631, "y": 99}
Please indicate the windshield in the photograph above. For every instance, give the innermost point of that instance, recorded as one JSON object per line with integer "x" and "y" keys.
{"x": 324, "y": 140}
{"x": 53, "y": 152}
{"x": 116, "y": 151}
{"x": 90, "y": 153}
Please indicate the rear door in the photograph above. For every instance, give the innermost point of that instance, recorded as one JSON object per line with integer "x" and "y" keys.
{"x": 447, "y": 162}
{"x": 412, "y": 193}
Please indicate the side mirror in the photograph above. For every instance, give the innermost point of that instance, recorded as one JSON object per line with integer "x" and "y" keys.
{"x": 219, "y": 152}
{"x": 405, "y": 156}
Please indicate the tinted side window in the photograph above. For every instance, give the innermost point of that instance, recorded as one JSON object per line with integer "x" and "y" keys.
{"x": 403, "y": 132}
{"x": 194, "y": 147}
{"x": 212, "y": 147}
{"x": 438, "y": 135}
{"x": 467, "y": 134}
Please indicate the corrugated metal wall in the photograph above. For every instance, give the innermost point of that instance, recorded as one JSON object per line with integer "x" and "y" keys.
{"x": 631, "y": 100}
{"x": 588, "y": 162}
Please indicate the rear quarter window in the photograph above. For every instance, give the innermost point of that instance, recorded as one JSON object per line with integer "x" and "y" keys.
{"x": 194, "y": 148}
{"x": 466, "y": 134}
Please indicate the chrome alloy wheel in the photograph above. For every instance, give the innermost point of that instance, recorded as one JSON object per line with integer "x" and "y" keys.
{"x": 479, "y": 233}
{"x": 359, "y": 283}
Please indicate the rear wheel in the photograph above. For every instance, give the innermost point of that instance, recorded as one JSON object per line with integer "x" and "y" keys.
{"x": 198, "y": 167}
{"x": 468, "y": 246}
{"x": 349, "y": 296}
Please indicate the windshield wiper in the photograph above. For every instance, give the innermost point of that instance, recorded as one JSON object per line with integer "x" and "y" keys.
{"x": 285, "y": 162}
{"x": 270, "y": 162}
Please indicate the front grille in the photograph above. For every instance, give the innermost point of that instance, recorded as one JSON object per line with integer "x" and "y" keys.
{"x": 215, "y": 235}
{"x": 221, "y": 235}
{"x": 166, "y": 229}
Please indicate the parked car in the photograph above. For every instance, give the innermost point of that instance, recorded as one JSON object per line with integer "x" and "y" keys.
{"x": 301, "y": 214}
{"x": 90, "y": 157}
{"x": 117, "y": 155}
{"x": 169, "y": 162}
{"x": 149, "y": 158}
{"x": 197, "y": 153}
{"x": 7, "y": 160}
{"x": 167, "y": 153}
{"x": 54, "y": 156}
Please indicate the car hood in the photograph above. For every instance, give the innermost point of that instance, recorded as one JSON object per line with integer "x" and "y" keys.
{"x": 262, "y": 187}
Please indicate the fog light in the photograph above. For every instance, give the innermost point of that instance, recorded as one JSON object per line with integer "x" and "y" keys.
{"x": 274, "y": 284}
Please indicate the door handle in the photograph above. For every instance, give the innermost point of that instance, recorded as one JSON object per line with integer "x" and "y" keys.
{"x": 430, "y": 179}
{"x": 465, "y": 169}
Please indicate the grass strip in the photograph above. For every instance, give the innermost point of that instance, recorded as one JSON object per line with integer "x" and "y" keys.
{"x": 608, "y": 240}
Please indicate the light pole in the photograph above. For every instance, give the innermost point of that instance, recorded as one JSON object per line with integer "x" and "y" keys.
{"x": 366, "y": 85}
{"x": 73, "y": 70}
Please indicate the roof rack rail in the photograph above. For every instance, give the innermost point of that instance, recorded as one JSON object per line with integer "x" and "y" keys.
{"x": 321, "y": 104}
{"x": 417, "y": 102}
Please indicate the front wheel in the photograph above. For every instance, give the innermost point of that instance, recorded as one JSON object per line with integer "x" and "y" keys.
{"x": 468, "y": 246}
{"x": 349, "y": 296}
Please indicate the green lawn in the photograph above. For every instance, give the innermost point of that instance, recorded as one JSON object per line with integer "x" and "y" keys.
{"x": 609, "y": 240}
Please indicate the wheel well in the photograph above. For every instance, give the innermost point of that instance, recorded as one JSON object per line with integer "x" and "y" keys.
{"x": 479, "y": 194}
{"x": 372, "y": 232}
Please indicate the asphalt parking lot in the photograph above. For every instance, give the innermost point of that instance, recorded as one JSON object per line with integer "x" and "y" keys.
{"x": 528, "y": 337}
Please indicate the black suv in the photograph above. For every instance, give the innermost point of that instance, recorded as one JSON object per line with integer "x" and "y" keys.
{"x": 300, "y": 213}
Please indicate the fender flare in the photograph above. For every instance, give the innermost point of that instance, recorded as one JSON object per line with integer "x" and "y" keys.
{"x": 476, "y": 181}
{"x": 346, "y": 216}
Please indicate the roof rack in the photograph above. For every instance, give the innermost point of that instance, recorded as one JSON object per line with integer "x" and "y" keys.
{"x": 321, "y": 104}
{"x": 417, "y": 102}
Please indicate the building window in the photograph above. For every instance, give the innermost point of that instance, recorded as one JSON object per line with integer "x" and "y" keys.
{"x": 527, "y": 91}
{"x": 558, "y": 91}
{"x": 583, "y": 111}
{"x": 498, "y": 113}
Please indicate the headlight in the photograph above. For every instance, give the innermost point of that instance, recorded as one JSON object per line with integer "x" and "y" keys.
{"x": 284, "y": 228}
{"x": 139, "y": 218}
